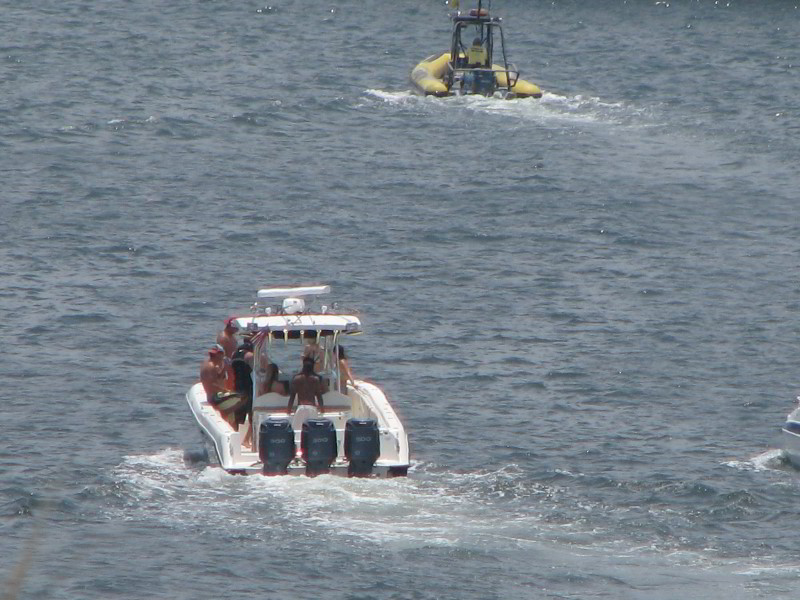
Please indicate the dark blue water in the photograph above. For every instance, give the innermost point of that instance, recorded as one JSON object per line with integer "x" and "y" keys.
{"x": 584, "y": 308}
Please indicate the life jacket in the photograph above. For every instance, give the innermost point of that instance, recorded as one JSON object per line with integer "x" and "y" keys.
{"x": 476, "y": 56}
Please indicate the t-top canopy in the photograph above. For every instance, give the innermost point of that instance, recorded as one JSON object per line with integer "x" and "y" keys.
{"x": 295, "y": 324}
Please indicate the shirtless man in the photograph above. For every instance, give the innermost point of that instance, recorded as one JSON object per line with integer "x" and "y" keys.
{"x": 213, "y": 378}
{"x": 212, "y": 373}
{"x": 307, "y": 386}
{"x": 227, "y": 337}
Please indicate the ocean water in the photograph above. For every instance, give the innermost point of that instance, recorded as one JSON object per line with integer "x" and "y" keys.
{"x": 584, "y": 308}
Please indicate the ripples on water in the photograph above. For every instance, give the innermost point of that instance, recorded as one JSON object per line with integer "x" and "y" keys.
{"x": 481, "y": 517}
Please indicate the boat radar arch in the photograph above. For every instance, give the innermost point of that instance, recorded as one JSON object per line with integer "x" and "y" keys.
{"x": 294, "y": 292}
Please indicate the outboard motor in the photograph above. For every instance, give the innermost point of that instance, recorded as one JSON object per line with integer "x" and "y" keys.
{"x": 479, "y": 82}
{"x": 362, "y": 446}
{"x": 318, "y": 443}
{"x": 276, "y": 445}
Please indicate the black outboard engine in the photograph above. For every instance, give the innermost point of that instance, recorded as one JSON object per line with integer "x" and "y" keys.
{"x": 318, "y": 443}
{"x": 276, "y": 446}
{"x": 362, "y": 446}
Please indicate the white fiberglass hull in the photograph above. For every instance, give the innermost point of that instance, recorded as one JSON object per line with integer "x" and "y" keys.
{"x": 364, "y": 401}
{"x": 791, "y": 437}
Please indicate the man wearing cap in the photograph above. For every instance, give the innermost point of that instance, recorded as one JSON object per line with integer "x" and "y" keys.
{"x": 227, "y": 337}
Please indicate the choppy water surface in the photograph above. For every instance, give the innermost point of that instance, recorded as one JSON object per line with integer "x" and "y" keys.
{"x": 583, "y": 307}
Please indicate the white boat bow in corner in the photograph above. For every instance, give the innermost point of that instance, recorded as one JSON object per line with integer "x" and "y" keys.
{"x": 791, "y": 436}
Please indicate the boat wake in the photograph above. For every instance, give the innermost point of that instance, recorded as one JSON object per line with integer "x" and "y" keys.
{"x": 423, "y": 509}
{"x": 551, "y": 107}
{"x": 500, "y": 512}
{"x": 773, "y": 459}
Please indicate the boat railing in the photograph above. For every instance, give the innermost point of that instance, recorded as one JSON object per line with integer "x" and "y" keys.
{"x": 488, "y": 30}
{"x": 512, "y": 75}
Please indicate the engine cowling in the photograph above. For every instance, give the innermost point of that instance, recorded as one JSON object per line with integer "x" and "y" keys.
{"x": 362, "y": 446}
{"x": 318, "y": 444}
{"x": 276, "y": 447}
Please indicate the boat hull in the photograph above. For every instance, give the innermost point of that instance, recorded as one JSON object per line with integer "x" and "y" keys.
{"x": 791, "y": 437}
{"x": 364, "y": 401}
{"x": 428, "y": 79}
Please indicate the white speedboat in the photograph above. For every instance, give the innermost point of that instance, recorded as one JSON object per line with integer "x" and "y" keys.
{"x": 791, "y": 436}
{"x": 356, "y": 433}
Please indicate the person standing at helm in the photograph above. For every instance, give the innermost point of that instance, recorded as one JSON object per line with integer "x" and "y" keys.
{"x": 476, "y": 54}
{"x": 315, "y": 351}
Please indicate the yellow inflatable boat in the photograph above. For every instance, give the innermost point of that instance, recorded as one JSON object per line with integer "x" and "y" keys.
{"x": 473, "y": 71}
{"x": 430, "y": 78}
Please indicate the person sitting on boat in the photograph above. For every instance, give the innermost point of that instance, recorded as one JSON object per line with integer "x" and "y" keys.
{"x": 212, "y": 373}
{"x": 212, "y": 376}
{"x": 306, "y": 387}
{"x": 476, "y": 54}
{"x": 271, "y": 382}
